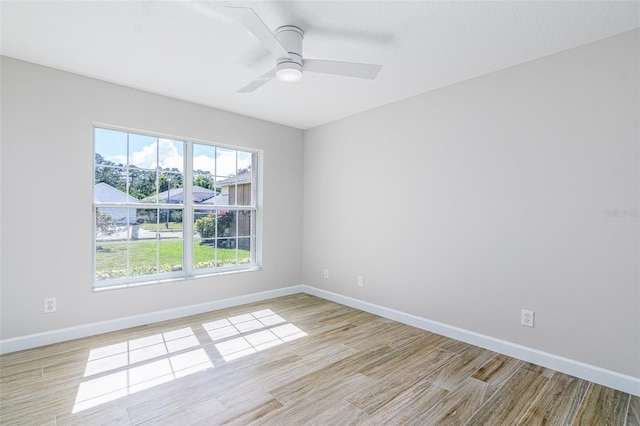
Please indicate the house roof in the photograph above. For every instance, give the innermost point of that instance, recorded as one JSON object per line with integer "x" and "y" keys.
{"x": 219, "y": 200}
{"x": 244, "y": 177}
{"x": 106, "y": 193}
{"x": 175, "y": 195}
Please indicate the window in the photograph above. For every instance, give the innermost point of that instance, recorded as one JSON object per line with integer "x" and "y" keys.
{"x": 167, "y": 208}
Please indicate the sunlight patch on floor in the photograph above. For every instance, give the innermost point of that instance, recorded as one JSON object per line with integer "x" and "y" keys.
{"x": 262, "y": 326}
{"x": 146, "y": 373}
{"x": 124, "y": 368}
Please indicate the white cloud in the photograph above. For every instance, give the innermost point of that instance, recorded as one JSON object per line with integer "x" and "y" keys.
{"x": 147, "y": 159}
{"x": 170, "y": 157}
{"x": 226, "y": 162}
{"x": 202, "y": 162}
{"x": 118, "y": 159}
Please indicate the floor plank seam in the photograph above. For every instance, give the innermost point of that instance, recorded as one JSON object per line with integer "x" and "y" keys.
{"x": 538, "y": 397}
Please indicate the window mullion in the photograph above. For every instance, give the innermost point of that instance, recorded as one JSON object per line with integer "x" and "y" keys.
{"x": 158, "y": 238}
{"x": 128, "y": 241}
{"x": 187, "y": 214}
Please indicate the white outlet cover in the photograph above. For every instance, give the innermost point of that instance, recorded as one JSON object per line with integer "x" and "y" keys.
{"x": 49, "y": 305}
{"x": 527, "y": 318}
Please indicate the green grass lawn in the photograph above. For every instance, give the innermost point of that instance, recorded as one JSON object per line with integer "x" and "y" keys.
{"x": 144, "y": 255}
{"x": 162, "y": 227}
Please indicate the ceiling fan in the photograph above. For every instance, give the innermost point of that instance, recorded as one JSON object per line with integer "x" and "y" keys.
{"x": 286, "y": 46}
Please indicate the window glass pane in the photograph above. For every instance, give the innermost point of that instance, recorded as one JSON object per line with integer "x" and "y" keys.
{"x": 204, "y": 250}
{"x": 170, "y": 256}
{"x": 171, "y": 188}
{"x": 110, "y": 176}
{"x": 232, "y": 188}
{"x": 147, "y": 220}
{"x": 240, "y": 193}
{"x": 143, "y": 151}
{"x": 225, "y": 162}
{"x": 204, "y": 180}
{"x": 212, "y": 196}
{"x": 225, "y": 223}
{"x": 245, "y": 179}
{"x": 204, "y": 159}
{"x": 110, "y": 147}
{"x": 111, "y": 260}
{"x": 170, "y": 223}
{"x": 213, "y": 245}
{"x": 111, "y": 243}
{"x": 244, "y": 162}
{"x": 223, "y": 238}
{"x": 142, "y": 184}
{"x": 222, "y": 188}
{"x": 110, "y": 185}
{"x": 244, "y": 223}
{"x": 227, "y": 253}
{"x": 171, "y": 155}
{"x": 143, "y": 257}
{"x": 244, "y": 250}
{"x": 204, "y": 189}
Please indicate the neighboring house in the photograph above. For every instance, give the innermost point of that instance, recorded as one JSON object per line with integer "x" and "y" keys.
{"x": 237, "y": 191}
{"x": 232, "y": 189}
{"x": 105, "y": 193}
{"x": 237, "y": 188}
{"x": 176, "y": 195}
{"x": 218, "y": 200}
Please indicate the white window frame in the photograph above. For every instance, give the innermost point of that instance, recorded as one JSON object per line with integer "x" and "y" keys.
{"x": 188, "y": 208}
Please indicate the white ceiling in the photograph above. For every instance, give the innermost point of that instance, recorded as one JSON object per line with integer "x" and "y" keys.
{"x": 195, "y": 52}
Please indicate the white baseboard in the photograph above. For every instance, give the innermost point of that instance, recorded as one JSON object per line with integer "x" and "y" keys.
{"x": 609, "y": 378}
{"x": 85, "y": 330}
{"x": 579, "y": 369}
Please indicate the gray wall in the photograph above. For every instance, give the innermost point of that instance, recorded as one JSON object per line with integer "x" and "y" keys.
{"x": 518, "y": 189}
{"x": 47, "y": 184}
{"x": 514, "y": 190}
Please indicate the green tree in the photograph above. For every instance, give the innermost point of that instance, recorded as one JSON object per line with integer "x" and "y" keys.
{"x": 142, "y": 182}
{"x": 206, "y": 226}
{"x": 165, "y": 179}
{"x": 243, "y": 170}
{"x": 204, "y": 181}
{"x": 105, "y": 224}
{"x": 110, "y": 173}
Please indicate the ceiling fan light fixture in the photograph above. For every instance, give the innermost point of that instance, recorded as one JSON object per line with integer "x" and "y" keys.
{"x": 289, "y": 74}
{"x": 286, "y": 45}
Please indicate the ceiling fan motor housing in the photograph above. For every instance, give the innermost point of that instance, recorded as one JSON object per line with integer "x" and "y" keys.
{"x": 290, "y": 37}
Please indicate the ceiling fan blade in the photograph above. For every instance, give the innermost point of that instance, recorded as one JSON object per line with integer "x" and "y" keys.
{"x": 348, "y": 69}
{"x": 252, "y": 22}
{"x": 259, "y": 82}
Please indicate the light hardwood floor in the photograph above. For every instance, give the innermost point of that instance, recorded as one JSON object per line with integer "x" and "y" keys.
{"x": 292, "y": 360}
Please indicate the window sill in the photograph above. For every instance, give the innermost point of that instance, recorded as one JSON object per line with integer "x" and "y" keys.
{"x": 174, "y": 279}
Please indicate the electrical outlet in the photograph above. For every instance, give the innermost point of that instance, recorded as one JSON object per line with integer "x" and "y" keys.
{"x": 526, "y": 318}
{"x": 49, "y": 305}
{"x": 326, "y": 273}
{"x": 360, "y": 281}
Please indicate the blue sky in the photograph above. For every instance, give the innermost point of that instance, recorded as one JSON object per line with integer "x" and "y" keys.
{"x": 143, "y": 153}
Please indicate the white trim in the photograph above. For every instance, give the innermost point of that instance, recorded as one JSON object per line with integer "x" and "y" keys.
{"x": 592, "y": 373}
{"x": 64, "y": 334}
